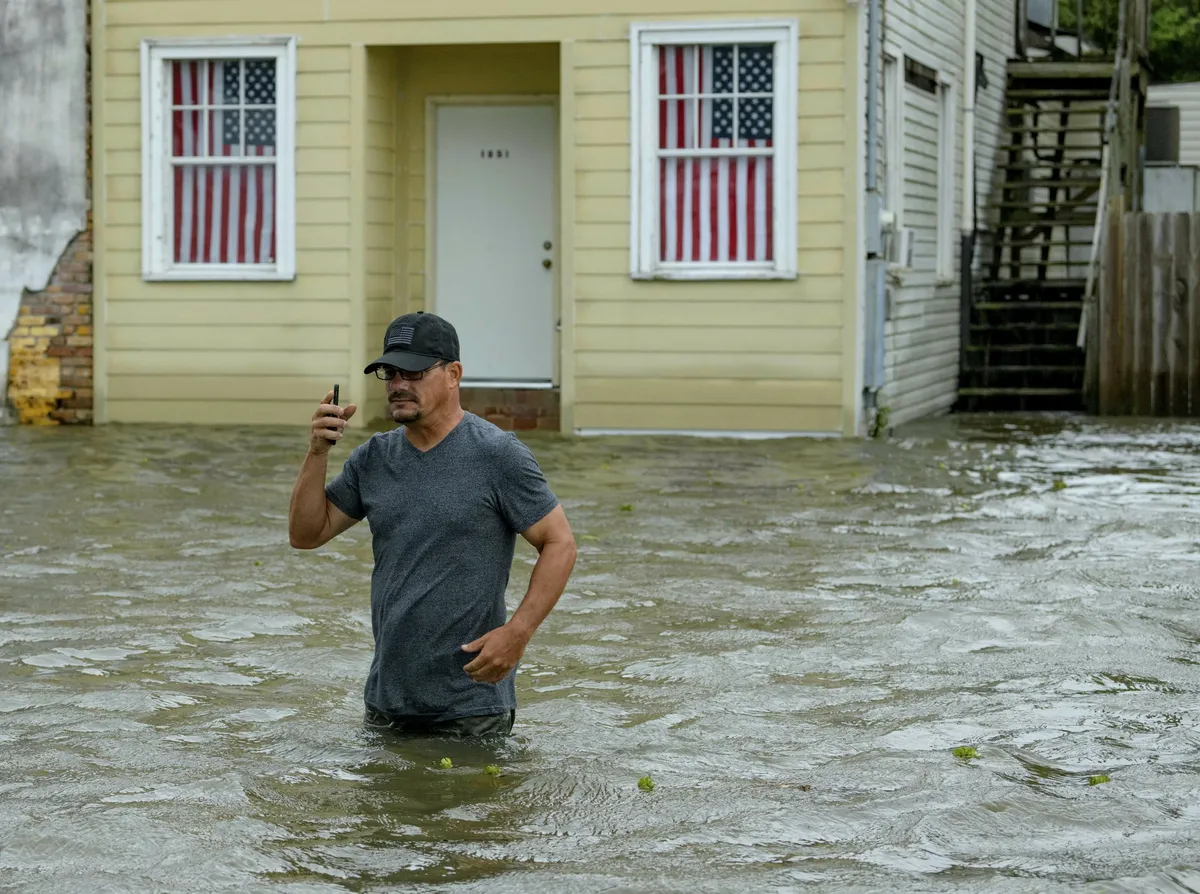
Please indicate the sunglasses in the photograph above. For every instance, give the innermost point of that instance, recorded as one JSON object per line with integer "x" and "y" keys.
{"x": 387, "y": 373}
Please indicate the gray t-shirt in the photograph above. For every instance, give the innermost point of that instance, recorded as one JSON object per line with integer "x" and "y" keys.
{"x": 443, "y": 529}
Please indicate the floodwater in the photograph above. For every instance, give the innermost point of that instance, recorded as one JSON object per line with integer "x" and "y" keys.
{"x": 789, "y": 637}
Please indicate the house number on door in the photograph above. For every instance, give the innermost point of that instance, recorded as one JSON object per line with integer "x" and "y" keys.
{"x": 493, "y": 153}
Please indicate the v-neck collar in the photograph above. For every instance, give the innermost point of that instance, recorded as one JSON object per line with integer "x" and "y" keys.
{"x": 416, "y": 451}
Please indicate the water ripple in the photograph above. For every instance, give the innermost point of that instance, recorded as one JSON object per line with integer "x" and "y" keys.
{"x": 790, "y": 638}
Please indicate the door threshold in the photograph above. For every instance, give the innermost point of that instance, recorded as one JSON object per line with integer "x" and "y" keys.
{"x": 521, "y": 386}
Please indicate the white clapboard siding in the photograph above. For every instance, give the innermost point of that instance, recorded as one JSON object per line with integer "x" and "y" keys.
{"x": 1187, "y": 98}
{"x": 922, "y": 333}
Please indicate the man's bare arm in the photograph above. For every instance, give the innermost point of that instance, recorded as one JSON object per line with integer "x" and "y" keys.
{"x": 555, "y": 543}
{"x": 500, "y": 649}
{"x": 312, "y": 520}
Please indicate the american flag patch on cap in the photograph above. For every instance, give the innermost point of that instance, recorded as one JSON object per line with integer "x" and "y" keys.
{"x": 402, "y": 339}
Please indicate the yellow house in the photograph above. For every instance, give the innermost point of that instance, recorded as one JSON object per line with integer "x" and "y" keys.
{"x": 641, "y": 217}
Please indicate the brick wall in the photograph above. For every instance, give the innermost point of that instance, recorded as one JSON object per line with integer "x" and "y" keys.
{"x": 50, "y": 365}
{"x": 50, "y": 347}
{"x": 514, "y": 409}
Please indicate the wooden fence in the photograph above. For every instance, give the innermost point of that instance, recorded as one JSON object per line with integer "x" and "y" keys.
{"x": 1148, "y": 335}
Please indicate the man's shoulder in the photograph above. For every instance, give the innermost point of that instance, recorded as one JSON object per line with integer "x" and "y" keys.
{"x": 491, "y": 440}
{"x": 486, "y": 433}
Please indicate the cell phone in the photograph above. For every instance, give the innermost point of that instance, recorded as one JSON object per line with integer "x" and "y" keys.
{"x": 335, "y": 398}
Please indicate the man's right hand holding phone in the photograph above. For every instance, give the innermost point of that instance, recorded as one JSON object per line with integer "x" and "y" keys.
{"x": 328, "y": 425}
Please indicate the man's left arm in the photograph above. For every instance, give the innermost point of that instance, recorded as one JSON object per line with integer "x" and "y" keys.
{"x": 500, "y": 649}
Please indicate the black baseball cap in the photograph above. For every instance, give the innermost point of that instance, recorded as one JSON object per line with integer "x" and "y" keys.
{"x": 415, "y": 342}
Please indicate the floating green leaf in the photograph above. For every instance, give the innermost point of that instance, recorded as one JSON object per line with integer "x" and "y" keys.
{"x": 445, "y": 763}
{"x": 646, "y": 784}
{"x": 1098, "y": 780}
{"x": 966, "y": 752}
{"x": 1059, "y": 484}
{"x": 492, "y": 770}
{"x": 627, "y": 507}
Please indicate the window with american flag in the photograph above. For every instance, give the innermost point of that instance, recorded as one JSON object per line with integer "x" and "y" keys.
{"x": 714, "y": 151}
{"x": 218, "y": 187}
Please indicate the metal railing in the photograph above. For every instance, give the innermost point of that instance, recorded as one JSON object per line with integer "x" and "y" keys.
{"x": 1092, "y": 25}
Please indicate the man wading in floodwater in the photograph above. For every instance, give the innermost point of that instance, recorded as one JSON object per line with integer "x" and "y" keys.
{"x": 445, "y": 495}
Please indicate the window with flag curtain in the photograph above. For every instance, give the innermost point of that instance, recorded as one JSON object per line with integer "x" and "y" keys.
{"x": 716, "y": 153}
{"x": 223, "y": 125}
{"x": 714, "y": 131}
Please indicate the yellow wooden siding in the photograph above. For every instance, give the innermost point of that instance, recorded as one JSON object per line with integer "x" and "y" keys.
{"x": 381, "y": 163}
{"x": 715, "y": 356}
{"x": 711, "y": 356}
{"x": 672, "y": 416}
{"x": 226, "y": 351}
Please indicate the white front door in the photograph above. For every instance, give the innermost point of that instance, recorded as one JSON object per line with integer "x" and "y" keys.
{"x": 495, "y": 240}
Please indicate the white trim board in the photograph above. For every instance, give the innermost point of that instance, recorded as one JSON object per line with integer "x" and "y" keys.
{"x": 644, "y": 261}
{"x": 156, "y": 198}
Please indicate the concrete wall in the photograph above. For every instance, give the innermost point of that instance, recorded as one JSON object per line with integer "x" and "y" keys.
{"x": 43, "y": 145}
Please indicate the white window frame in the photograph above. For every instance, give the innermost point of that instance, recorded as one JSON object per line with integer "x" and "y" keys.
{"x": 644, "y": 188}
{"x": 157, "y": 197}
{"x": 947, "y": 175}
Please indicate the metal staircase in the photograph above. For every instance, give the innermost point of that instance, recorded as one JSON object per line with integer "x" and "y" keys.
{"x": 1021, "y": 337}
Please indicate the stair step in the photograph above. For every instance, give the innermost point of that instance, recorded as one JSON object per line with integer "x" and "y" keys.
{"x": 1012, "y": 222}
{"x": 1024, "y": 391}
{"x": 1074, "y": 164}
{"x": 1017, "y": 322}
{"x": 1040, "y": 243}
{"x": 974, "y": 380}
{"x": 1050, "y": 263}
{"x": 1054, "y": 128}
{"x": 1065, "y": 285}
{"x": 1047, "y": 370}
{"x": 1040, "y": 335}
{"x": 1033, "y": 375}
{"x": 1041, "y": 182}
{"x": 1045, "y": 201}
{"x": 1068, "y": 94}
{"x": 1058, "y": 203}
{"x": 1017, "y": 325}
{"x": 1021, "y": 403}
{"x": 1084, "y": 162}
{"x": 1071, "y": 152}
{"x": 1066, "y": 70}
{"x": 1030, "y": 305}
{"x": 1013, "y": 348}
